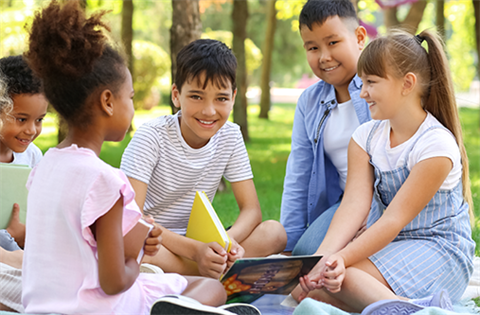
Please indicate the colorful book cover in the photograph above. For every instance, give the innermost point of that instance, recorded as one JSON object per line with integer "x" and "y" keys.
{"x": 13, "y": 178}
{"x": 204, "y": 224}
{"x": 250, "y": 278}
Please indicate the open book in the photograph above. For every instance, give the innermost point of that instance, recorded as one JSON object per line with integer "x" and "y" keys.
{"x": 204, "y": 224}
{"x": 13, "y": 178}
{"x": 250, "y": 278}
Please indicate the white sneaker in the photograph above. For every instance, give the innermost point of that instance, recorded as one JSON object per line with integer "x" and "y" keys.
{"x": 241, "y": 309}
{"x": 148, "y": 268}
{"x": 179, "y": 304}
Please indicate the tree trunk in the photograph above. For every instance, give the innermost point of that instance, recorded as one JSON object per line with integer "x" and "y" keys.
{"x": 440, "y": 19}
{"x": 414, "y": 16}
{"x": 265, "y": 101}
{"x": 186, "y": 27}
{"x": 476, "y": 7}
{"x": 411, "y": 21}
{"x": 127, "y": 31}
{"x": 239, "y": 18}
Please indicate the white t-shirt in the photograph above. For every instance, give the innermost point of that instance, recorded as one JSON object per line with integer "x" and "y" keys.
{"x": 338, "y": 131}
{"x": 435, "y": 143}
{"x": 31, "y": 156}
{"x": 159, "y": 156}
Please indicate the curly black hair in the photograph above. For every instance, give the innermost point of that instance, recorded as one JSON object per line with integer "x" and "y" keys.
{"x": 19, "y": 77}
{"x": 72, "y": 56}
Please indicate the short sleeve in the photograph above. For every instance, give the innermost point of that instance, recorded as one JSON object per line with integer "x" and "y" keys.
{"x": 142, "y": 153}
{"x": 36, "y": 155}
{"x": 360, "y": 135}
{"x": 102, "y": 195}
{"x": 436, "y": 143}
{"x": 238, "y": 167}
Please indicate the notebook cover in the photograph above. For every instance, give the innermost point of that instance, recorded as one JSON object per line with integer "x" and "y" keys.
{"x": 13, "y": 178}
{"x": 204, "y": 224}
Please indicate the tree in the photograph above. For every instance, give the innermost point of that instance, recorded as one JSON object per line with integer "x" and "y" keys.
{"x": 186, "y": 27}
{"x": 239, "y": 18}
{"x": 267, "y": 58}
{"x": 476, "y": 7}
{"x": 411, "y": 21}
{"x": 440, "y": 18}
{"x": 127, "y": 31}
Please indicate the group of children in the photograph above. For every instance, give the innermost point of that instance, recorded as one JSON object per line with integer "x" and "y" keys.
{"x": 393, "y": 231}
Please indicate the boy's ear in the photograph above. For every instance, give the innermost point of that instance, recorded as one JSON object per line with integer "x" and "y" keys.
{"x": 106, "y": 102}
{"x": 361, "y": 34}
{"x": 175, "y": 96}
{"x": 234, "y": 95}
{"x": 409, "y": 83}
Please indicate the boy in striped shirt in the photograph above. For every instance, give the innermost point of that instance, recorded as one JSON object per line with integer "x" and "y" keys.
{"x": 173, "y": 156}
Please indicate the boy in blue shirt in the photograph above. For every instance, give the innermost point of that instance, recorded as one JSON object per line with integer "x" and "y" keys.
{"x": 327, "y": 113}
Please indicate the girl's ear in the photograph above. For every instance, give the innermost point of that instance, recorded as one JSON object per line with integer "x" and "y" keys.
{"x": 106, "y": 102}
{"x": 409, "y": 83}
{"x": 175, "y": 96}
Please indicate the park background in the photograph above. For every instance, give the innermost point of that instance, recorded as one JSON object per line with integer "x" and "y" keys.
{"x": 272, "y": 69}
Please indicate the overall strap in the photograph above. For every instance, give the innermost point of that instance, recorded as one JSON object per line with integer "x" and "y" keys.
{"x": 370, "y": 136}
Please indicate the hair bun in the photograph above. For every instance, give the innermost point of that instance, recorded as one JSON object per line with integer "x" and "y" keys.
{"x": 64, "y": 42}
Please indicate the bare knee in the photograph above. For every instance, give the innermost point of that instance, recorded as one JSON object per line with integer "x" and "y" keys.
{"x": 197, "y": 286}
{"x": 273, "y": 233}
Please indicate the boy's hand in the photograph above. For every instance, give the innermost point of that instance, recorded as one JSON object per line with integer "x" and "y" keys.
{"x": 236, "y": 252}
{"x": 15, "y": 228}
{"x": 154, "y": 239}
{"x": 211, "y": 259}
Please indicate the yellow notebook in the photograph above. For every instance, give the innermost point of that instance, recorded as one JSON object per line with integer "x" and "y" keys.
{"x": 13, "y": 178}
{"x": 204, "y": 224}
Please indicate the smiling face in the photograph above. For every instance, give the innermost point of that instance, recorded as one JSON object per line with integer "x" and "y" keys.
{"x": 204, "y": 111}
{"x": 22, "y": 125}
{"x": 333, "y": 49}
{"x": 383, "y": 95}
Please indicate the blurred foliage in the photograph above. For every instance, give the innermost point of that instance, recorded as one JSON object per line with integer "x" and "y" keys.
{"x": 252, "y": 52}
{"x": 152, "y": 21}
{"x": 150, "y": 63}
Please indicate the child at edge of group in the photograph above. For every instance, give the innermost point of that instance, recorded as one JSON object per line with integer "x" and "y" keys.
{"x": 417, "y": 250}
{"x": 80, "y": 207}
{"x": 22, "y": 110}
{"x": 326, "y": 116}
{"x": 11, "y": 255}
{"x": 172, "y": 156}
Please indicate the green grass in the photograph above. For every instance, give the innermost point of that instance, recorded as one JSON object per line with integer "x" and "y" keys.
{"x": 268, "y": 151}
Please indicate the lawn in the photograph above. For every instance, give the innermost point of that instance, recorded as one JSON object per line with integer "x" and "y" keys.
{"x": 268, "y": 151}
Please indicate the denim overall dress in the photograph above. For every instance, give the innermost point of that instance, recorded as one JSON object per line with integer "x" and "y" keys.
{"x": 435, "y": 250}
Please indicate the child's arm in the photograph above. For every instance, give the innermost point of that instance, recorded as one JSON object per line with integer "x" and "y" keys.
{"x": 115, "y": 272}
{"x": 425, "y": 179}
{"x": 210, "y": 258}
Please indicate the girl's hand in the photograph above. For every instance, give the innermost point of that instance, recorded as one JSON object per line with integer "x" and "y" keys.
{"x": 311, "y": 281}
{"x": 334, "y": 273}
{"x": 153, "y": 241}
{"x": 236, "y": 252}
{"x": 211, "y": 259}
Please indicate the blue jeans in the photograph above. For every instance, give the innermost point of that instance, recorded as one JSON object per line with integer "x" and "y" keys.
{"x": 7, "y": 242}
{"x": 315, "y": 233}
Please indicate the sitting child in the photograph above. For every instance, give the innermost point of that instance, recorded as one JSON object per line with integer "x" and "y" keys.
{"x": 172, "y": 157}
{"x": 418, "y": 249}
{"x": 80, "y": 208}
{"x": 22, "y": 123}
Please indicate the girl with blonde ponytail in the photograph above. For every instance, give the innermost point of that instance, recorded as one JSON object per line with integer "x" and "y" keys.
{"x": 417, "y": 251}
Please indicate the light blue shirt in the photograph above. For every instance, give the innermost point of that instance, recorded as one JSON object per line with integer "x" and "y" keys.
{"x": 312, "y": 183}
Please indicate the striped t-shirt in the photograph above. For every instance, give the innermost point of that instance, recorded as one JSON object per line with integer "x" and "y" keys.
{"x": 159, "y": 156}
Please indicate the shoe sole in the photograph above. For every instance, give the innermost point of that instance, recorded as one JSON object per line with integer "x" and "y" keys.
{"x": 241, "y": 309}
{"x": 391, "y": 307}
{"x": 173, "y": 306}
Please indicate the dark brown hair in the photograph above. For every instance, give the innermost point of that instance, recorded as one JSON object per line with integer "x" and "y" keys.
{"x": 399, "y": 53}
{"x": 71, "y": 55}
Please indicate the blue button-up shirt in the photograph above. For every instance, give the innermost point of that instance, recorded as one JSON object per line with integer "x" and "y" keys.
{"x": 312, "y": 183}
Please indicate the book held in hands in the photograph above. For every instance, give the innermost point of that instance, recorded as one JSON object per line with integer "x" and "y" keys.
{"x": 13, "y": 181}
